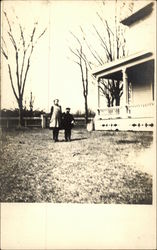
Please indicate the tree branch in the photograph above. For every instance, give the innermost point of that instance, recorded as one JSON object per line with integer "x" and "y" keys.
{"x": 4, "y": 53}
{"x": 17, "y": 71}
{"x": 24, "y": 81}
{"x": 86, "y": 78}
{"x": 11, "y": 80}
{"x": 12, "y": 40}
{"x": 110, "y": 42}
{"x": 40, "y": 36}
{"x": 76, "y": 38}
{"x": 22, "y": 36}
{"x": 102, "y": 42}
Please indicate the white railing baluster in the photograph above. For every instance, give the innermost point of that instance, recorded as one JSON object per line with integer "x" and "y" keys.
{"x": 139, "y": 110}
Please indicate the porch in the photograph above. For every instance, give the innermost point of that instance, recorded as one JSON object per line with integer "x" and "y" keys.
{"x": 137, "y": 108}
{"x": 132, "y": 117}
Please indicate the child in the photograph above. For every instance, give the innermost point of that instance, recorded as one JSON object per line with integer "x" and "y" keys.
{"x": 68, "y": 121}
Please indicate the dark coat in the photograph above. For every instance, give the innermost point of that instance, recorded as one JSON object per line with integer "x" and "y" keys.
{"x": 67, "y": 120}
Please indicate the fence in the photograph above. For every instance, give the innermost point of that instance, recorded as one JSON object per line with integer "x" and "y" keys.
{"x": 12, "y": 122}
{"x": 39, "y": 122}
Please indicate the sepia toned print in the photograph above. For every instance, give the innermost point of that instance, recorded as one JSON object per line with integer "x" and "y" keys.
{"x": 78, "y": 106}
{"x": 97, "y": 167}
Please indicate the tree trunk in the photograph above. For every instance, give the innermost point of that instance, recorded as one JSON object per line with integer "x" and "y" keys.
{"x": 117, "y": 100}
{"x": 108, "y": 101}
{"x": 112, "y": 100}
{"x": 86, "y": 110}
{"x": 20, "y": 112}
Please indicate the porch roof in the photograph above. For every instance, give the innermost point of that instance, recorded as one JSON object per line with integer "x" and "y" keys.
{"x": 115, "y": 67}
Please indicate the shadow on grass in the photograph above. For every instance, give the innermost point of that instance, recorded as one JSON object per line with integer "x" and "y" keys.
{"x": 79, "y": 139}
{"x": 63, "y": 140}
{"x": 75, "y": 139}
{"x": 127, "y": 141}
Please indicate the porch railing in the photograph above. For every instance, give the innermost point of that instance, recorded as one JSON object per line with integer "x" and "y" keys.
{"x": 142, "y": 110}
{"x": 139, "y": 110}
{"x": 111, "y": 112}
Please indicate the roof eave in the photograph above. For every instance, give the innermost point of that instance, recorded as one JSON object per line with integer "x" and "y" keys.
{"x": 121, "y": 62}
{"x": 145, "y": 11}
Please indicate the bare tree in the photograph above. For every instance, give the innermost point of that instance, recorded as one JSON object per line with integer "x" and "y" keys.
{"x": 112, "y": 90}
{"x": 114, "y": 47}
{"x": 111, "y": 42}
{"x": 84, "y": 65}
{"x": 23, "y": 52}
{"x": 111, "y": 39}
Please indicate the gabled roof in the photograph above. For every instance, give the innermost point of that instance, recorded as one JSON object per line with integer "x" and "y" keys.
{"x": 138, "y": 15}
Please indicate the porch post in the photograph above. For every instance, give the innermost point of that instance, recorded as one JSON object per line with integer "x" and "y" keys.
{"x": 125, "y": 86}
{"x": 98, "y": 96}
{"x": 125, "y": 90}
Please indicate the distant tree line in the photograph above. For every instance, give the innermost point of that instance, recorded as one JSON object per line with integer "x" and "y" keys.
{"x": 38, "y": 113}
{"x": 25, "y": 113}
{"x": 79, "y": 113}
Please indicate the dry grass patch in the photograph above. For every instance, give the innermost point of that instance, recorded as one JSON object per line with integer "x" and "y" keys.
{"x": 96, "y": 167}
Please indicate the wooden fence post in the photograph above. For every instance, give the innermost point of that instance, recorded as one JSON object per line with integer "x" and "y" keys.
{"x": 43, "y": 121}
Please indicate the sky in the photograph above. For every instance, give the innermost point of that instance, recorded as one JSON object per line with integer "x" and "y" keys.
{"x": 53, "y": 72}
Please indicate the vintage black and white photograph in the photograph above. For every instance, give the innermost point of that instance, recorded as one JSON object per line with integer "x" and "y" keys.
{"x": 77, "y": 101}
{"x": 77, "y": 120}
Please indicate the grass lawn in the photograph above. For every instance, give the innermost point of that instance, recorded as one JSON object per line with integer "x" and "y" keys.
{"x": 95, "y": 167}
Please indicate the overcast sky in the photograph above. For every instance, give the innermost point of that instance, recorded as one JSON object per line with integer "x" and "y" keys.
{"x": 53, "y": 73}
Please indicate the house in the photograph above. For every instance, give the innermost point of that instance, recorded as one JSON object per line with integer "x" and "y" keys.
{"x": 137, "y": 73}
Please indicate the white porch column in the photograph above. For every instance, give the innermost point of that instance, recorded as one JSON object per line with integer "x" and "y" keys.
{"x": 125, "y": 86}
{"x": 125, "y": 92}
{"x": 98, "y": 95}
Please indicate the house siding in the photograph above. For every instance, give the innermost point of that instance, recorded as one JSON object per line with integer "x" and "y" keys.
{"x": 141, "y": 93}
{"x": 142, "y": 35}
